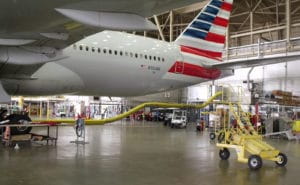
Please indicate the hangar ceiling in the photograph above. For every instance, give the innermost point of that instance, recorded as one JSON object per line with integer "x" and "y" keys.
{"x": 269, "y": 20}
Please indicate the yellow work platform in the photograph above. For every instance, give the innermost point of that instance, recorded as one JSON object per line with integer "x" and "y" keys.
{"x": 247, "y": 143}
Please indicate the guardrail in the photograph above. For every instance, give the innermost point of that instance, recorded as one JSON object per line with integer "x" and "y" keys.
{"x": 262, "y": 49}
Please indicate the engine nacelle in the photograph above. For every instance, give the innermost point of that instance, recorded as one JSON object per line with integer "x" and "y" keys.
{"x": 109, "y": 20}
{"x": 26, "y": 55}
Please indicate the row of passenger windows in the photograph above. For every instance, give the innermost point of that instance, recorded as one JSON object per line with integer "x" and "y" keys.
{"x": 115, "y": 52}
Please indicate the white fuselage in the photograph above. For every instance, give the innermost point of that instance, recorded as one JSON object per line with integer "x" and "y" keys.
{"x": 109, "y": 63}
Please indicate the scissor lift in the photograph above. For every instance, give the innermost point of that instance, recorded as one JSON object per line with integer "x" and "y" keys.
{"x": 246, "y": 141}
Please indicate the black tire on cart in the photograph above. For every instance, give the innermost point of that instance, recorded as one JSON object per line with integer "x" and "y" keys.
{"x": 224, "y": 154}
{"x": 283, "y": 160}
{"x": 212, "y": 136}
{"x": 255, "y": 162}
{"x": 19, "y": 119}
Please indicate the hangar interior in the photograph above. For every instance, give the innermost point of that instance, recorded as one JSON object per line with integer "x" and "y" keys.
{"x": 146, "y": 147}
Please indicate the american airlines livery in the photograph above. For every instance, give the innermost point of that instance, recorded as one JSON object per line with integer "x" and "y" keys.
{"x": 115, "y": 63}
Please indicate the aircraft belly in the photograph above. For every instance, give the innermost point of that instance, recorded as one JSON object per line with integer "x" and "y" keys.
{"x": 50, "y": 79}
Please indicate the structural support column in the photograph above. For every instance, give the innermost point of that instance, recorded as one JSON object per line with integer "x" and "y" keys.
{"x": 41, "y": 109}
{"x": 227, "y": 43}
{"x": 159, "y": 28}
{"x": 171, "y": 25}
{"x": 251, "y": 27}
{"x": 48, "y": 110}
{"x": 288, "y": 22}
{"x": 21, "y": 103}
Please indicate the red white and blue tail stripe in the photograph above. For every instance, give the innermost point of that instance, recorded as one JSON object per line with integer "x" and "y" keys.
{"x": 203, "y": 40}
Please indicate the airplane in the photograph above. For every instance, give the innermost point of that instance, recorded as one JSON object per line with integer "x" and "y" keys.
{"x": 113, "y": 63}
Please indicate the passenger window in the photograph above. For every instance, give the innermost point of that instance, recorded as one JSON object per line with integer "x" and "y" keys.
{"x": 80, "y": 47}
{"x": 110, "y": 51}
{"x": 146, "y": 57}
{"x": 126, "y": 54}
{"x": 154, "y": 58}
{"x": 163, "y": 59}
{"x": 158, "y": 58}
{"x": 99, "y": 50}
{"x": 131, "y": 54}
{"x": 74, "y": 46}
{"x": 121, "y": 53}
{"x": 150, "y": 57}
{"x": 93, "y": 49}
{"x": 136, "y": 55}
{"x": 87, "y": 48}
{"x": 104, "y": 51}
{"x": 116, "y": 52}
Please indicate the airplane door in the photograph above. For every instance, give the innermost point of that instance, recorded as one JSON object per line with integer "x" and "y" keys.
{"x": 179, "y": 67}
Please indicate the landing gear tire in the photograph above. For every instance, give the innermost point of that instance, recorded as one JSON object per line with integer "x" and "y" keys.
{"x": 224, "y": 154}
{"x": 282, "y": 160}
{"x": 212, "y": 136}
{"x": 19, "y": 119}
{"x": 255, "y": 162}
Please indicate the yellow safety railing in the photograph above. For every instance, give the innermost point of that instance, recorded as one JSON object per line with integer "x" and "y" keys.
{"x": 136, "y": 109}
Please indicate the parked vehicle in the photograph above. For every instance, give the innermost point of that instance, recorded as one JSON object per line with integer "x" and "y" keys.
{"x": 179, "y": 119}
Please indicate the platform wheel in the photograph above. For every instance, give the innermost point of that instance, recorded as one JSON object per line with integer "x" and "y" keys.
{"x": 255, "y": 162}
{"x": 282, "y": 160}
{"x": 212, "y": 136}
{"x": 224, "y": 154}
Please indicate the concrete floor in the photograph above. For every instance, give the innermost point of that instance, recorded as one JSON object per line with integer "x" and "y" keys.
{"x": 139, "y": 154}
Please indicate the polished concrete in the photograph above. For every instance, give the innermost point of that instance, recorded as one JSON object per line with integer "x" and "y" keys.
{"x": 139, "y": 154}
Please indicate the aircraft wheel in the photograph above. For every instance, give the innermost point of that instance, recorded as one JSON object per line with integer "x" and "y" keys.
{"x": 282, "y": 160}
{"x": 224, "y": 154}
{"x": 255, "y": 162}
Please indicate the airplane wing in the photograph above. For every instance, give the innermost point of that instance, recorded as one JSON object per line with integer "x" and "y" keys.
{"x": 59, "y": 23}
{"x": 253, "y": 62}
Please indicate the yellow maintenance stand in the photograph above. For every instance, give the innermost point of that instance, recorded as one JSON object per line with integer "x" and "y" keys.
{"x": 246, "y": 141}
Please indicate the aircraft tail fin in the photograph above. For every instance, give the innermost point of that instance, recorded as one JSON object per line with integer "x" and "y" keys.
{"x": 204, "y": 38}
